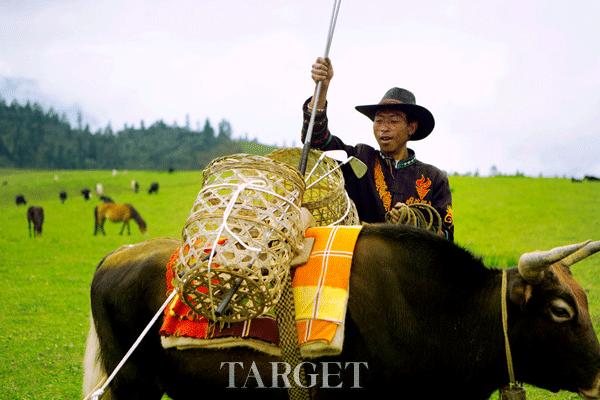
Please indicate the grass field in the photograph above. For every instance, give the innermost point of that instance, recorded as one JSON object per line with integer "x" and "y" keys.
{"x": 44, "y": 283}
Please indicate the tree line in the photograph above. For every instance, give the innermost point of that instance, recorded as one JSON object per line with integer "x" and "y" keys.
{"x": 31, "y": 137}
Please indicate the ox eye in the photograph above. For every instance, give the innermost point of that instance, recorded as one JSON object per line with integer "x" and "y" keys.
{"x": 561, "y": 311}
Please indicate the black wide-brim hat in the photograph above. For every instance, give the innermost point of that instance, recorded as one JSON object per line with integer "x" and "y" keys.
{"x": 403, "y": 100}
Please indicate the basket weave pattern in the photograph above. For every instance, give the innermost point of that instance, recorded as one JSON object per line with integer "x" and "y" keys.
{"x": 244, "y": 226}
{"x": 327, "y": 200}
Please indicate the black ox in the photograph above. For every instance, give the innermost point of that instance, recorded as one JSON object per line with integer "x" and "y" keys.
{"x": 20, "y": 200}
{"x": 154, "y": 186}
{"x": 424, "y": 314}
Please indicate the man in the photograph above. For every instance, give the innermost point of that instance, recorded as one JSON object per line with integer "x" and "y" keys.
{"x": 395, "y": 177}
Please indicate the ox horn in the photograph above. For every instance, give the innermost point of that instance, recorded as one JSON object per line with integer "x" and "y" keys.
{"x": 584, "y": 252}
{"x": 532, "y": 265}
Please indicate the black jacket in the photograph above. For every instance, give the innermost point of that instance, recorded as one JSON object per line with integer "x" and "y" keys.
{"x": 386, "y": 182}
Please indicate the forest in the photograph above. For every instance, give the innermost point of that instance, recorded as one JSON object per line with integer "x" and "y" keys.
{"x": 32, "y": 137}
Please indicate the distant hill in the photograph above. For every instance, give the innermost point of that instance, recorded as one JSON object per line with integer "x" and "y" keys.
{"x": 33, "y": 137}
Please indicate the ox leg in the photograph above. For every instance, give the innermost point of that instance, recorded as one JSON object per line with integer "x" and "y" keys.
{"x": 29, "y": 226}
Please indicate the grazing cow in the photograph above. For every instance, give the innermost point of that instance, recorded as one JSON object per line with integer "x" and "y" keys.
{"x": 575, "y": 180}
{"x": 153, "y": 188}
{"x": 99, "y": 189}
{"x": 135, "y": 186}
{"x": 35, "y": 216}
{"x": 106, "y": 199}
{"x": 423, "y": 313}
{"x": 86, "y": 193}
{"x": 20, "y": 199}
{"x": 117, "y": 213}
{"x": 63, "y": 196}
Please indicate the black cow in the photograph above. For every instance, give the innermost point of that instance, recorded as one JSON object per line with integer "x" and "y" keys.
{"x": 63, "y": 196}
{"x": 591, "y": 178}
{"x": 153, "y": 188}
{"x": 423, "y": 313}
{"x": 35, "y": 216}
{"x": 20, "y": 199}
{"x": 86, "y": 193}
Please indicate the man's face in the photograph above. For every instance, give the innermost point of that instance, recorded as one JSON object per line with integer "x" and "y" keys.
{"x": 392, "y": 132}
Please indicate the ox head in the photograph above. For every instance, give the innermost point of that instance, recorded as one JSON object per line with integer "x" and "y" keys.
{"x": 557, "y": 346}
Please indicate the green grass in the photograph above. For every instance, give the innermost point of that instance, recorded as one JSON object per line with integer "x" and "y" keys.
{"x": 44, "y": 283}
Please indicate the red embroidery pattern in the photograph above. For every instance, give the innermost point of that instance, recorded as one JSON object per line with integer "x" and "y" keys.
{"x": 423, "y": 186}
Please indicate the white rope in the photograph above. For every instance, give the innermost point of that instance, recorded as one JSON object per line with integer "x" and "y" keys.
{"x": 314, "y": 168}
{"x": 257, "y": 188}
{"x": 348, "y": 208}
{"x": 324, "y": 176}
{"x": 96, "y": 395}
{"x": 224, "y": 226}
{"x": 257, "y": 185}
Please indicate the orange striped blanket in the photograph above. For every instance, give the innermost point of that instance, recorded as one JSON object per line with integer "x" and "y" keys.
{"x": 320, "y": 290}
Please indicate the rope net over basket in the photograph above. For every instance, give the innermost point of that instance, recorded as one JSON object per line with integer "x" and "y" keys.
{"x": 327, "y": 199}
{"x": 243, "y": 230}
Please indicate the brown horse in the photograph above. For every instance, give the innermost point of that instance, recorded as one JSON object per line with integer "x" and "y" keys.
{"x": 35, "y": 215}
{"x": 117, "y": 213}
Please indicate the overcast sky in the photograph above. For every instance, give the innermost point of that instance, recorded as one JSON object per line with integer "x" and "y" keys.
{"x": 511, "y": 83}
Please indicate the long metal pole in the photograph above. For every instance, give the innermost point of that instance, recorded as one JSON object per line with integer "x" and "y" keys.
{"x": 311, "y": 123}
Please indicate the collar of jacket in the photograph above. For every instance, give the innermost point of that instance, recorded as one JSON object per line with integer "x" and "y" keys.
{"x": 410, "y": 160}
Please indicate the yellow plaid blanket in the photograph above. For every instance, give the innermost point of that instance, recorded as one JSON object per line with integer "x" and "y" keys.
{"x": 321, "y": 289}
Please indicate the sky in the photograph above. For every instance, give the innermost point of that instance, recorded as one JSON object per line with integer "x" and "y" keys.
{"x": 513, "y": 84}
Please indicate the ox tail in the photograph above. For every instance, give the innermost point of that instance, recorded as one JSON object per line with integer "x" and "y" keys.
{"x": 94, "y": 374}
{"x": 137, "y": 218}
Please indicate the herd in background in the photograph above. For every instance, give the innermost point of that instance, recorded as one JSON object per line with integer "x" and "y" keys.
{"x": 107, "y": 210}
{"x": 120, "y": 212}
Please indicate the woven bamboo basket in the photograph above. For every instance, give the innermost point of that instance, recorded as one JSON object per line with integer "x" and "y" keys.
{"x": 327, "y": 200}
{"x": 242, "y": 232}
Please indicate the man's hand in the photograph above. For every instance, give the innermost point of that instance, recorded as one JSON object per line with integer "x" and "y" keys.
{"x": 322, "y": 71}
{"x": 394, "y": 214}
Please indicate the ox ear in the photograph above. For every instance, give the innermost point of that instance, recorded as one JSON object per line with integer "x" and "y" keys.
{"x": 519, "y": 291}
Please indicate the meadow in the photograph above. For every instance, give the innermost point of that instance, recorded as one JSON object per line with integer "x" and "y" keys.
{"x": 44, "y": 282}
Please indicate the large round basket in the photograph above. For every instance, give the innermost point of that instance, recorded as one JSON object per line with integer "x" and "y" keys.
{"x": 327, "y": 200}
{"x": 240, "y": 236}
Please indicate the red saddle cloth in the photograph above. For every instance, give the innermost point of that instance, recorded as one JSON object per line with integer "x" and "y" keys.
{"x": 320, "y": 290}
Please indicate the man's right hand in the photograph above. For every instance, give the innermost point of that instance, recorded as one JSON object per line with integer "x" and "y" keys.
{"x": 322, "y": 71}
